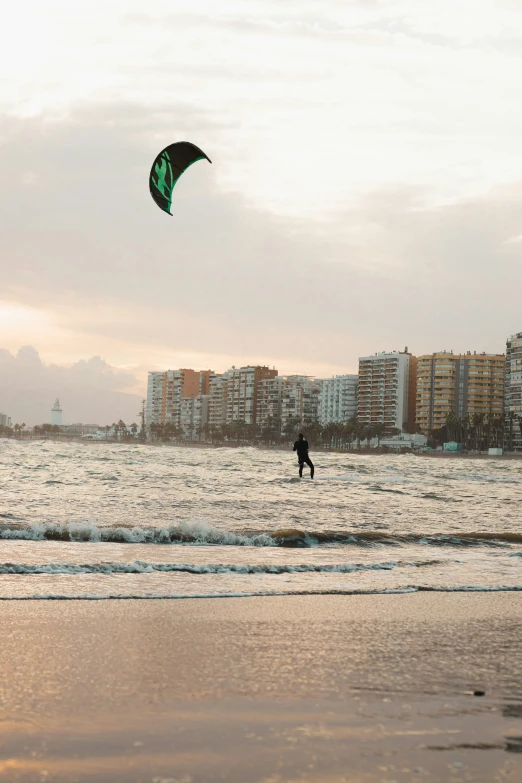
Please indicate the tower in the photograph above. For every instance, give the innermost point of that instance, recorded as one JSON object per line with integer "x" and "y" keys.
{"x": 56, "y": 413}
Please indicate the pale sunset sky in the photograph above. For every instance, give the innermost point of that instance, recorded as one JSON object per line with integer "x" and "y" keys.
{"x": 365, "y": 191}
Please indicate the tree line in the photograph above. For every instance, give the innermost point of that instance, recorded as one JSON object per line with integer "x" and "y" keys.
{"x": 273, "y": 433}
{"x": 116, "y": 431}
{"x": 478, "y": 431}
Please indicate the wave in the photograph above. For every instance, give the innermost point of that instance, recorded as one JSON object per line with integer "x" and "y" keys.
{"x": 202, "y": 533}
{"x": 266, "y": 594}
{"x": 139, "y": 567}
{"x": 185, "y": 532}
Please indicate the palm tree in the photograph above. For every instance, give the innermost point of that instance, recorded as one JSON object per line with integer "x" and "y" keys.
{"x": 134, "y": 429}
{"x": 271, "y": 430}
{"x": 498, "y": 431}
{"x": 328, "y": 434}
{"x": 358, "y": 432}
{"x": 452, "y": 425}
{"x": 464, "y": 424}
{"x": 291, "y": 427}
{"x": 378, "y": 432}
{"x": 368, "y": 434}
{"x": 512, "y": 418}
{"x": 314, "y": 431}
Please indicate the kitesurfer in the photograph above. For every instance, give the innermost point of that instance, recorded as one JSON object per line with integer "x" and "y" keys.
{"x": 301, "y": 446}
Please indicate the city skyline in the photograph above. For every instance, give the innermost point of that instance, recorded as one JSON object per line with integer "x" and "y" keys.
{"x": 93, "y": 384}
{"x": 473, "y": 397}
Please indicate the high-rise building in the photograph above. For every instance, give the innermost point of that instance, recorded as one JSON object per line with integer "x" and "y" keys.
{"x": 217, "y": 406}
{"x": 299, "y": 400}
{"x": 288, "y": 398}
{"x": 166, "y": 391}
{"x": 386, "y": 390}
{"x": 465, "y": 384}
{"x": 194, "y": 416}
{"x": 242, "y": 392}
{"x": 513, "y": 393}
{"x": 269, "y": 401}
{"x": 56, "y": 413}
{"x": 5, "y": 420}
{"x": 338, "y": 399}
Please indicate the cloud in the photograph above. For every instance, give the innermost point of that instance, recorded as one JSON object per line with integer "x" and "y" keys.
{"x": 90, "y": 390}
{"x": 365, "y": 186}
{"x": 83, "y": 238}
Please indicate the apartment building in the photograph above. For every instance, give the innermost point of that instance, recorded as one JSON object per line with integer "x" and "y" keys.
{"x": 217, "y": 405}
{"x": 338, "y": 399}
{"x": 299, "y": 400}
{"x": 194, "y": 416}
{"x": 242, "y": 391}
{"x": 465, "y": 384}
{"x": 166, "y": 391}
{"x": 288, "y": 398}
{"x": 5, "y": 420}
{"x": 269, "y": 400}
{"x": 386, "y": 390}
{"x": 513, "y": 393}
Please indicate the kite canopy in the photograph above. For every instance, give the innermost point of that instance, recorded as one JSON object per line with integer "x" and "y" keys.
{"x": 168, "y": 167}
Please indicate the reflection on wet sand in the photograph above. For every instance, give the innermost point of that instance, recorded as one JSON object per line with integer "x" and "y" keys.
{"x": 308, "y": 690}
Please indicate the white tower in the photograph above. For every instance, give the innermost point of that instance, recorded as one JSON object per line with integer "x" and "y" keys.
{"x": 56, "y": 413}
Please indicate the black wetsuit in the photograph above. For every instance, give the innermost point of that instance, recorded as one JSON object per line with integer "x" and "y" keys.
{"x": 301, "y": 446}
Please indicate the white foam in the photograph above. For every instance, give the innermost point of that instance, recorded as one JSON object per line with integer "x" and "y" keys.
{"x": 184, "y": 532}
{"x": 181, "y": 596}
{"x": 140, "y": 567}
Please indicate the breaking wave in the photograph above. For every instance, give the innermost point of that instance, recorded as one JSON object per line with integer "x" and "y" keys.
{"x": 202, "y": 533}
{"x": 185, "y": 532}
{"x": 139, "y": 567}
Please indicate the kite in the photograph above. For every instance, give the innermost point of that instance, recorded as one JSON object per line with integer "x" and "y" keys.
{"x": 168, "y": 167}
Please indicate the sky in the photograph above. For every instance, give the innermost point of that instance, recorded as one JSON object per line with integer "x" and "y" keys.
{"x": 365, "y": 191}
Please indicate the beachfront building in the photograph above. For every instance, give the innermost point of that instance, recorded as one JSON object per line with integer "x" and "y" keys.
{"x": 386, "y": 390}
{"x": 464, "y": 384}
{"x": 269, "y": 401}
{"x": 166, "y": 391}
{"x": 513, "y": 394}
{"x": 299, "y": 400}
{"x": 194, "y": 417}
{"x": 56, "y": 413}
{"x": 217, "y": 403}
{"x": 242, "y": 390}
{"x": 338, "y": 399}
{"x": 289, "y": 400}
{"x": 5, "y": 420}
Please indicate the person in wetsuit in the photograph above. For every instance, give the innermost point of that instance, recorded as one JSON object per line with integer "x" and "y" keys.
{"x": 301, "y": 446}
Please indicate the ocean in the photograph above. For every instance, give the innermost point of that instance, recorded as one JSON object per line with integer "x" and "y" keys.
{"x": 105, "y": 521}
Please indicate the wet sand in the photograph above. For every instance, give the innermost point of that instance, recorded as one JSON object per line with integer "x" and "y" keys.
{"x": 316, "y": 689}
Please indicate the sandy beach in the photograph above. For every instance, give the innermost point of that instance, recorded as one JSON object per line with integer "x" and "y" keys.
{"x": 263, "y": 690}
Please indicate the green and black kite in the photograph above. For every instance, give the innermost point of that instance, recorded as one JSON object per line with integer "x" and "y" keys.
{"x": 168, "y": 167}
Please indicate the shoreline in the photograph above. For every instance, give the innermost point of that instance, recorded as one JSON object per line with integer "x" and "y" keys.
{"x": 363, "y": 451}
{"x": 317, "y": 689}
